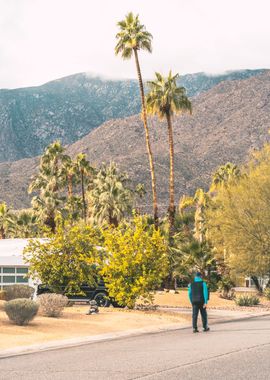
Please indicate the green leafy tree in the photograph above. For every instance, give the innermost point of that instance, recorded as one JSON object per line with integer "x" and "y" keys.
{"x": 239, "y": 218}
{"x": 110, "y": 198}
{"x": 165, "y": 99}
{"x": 135, "y": 263}
{"x": 69, "y": 258}
{"x": 132, "y": 38}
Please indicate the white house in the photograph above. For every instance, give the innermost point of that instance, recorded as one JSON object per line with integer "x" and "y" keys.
{"x": 13, "y": 269}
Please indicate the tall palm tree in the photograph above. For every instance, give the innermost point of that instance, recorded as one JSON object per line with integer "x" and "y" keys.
{"x": 48, "y": 183}
{"x": 110, "y": 199}
{"x": 85, "y": 171}
{"x": 47, "y": 205}
{"x": 165, "y": 99}
{"x": 69, "y": 176}
{"x": 131, "y": 38}
{"x": 50, "y": 169}
{"x": 6, "y": 220}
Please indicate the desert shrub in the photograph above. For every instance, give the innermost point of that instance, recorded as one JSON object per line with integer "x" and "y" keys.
{"x": 225, "y": 287}
{"x": 21, "y": 311}
{"x": 266, "y": 293}
{"x": 247, "y": 300}
{"x": 18, "y": 291}
{"x": 3, "y": 295}
{"x": 52, "y": 304}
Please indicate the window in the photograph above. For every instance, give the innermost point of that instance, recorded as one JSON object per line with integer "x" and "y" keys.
{"x": 9, "y": 279}
{"x": 22, "y": 270}
{"x": 13, "y": 275}
{"x": 8, "y": 270}
{"x": 21, "y": 280}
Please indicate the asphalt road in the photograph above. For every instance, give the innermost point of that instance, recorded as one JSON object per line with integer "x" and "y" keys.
{"x": 236, "y": 350}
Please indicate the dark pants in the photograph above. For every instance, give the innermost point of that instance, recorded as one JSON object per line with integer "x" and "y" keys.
{"x": 196, "y": 307}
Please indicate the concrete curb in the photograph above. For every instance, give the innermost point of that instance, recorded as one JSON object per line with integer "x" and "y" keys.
{"x": 80, "y": 341}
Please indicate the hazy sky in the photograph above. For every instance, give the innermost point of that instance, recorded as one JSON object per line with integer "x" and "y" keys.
{"x": 46, "y": 39}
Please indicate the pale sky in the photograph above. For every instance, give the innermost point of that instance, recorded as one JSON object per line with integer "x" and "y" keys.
{"x": 41, "y": 40}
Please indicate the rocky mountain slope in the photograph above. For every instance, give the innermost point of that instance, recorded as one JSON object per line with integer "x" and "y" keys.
{"x": 69, "y": 108}
{"x": 227, "y": 122}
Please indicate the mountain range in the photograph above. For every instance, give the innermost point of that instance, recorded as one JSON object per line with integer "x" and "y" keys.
{"x": 228, "y": 121}
{"x": 69, "y": 108}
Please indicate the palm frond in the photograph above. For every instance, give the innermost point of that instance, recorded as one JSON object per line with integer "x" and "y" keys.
{"x": 132, "y": 36}
{"x": 165, "y": 97}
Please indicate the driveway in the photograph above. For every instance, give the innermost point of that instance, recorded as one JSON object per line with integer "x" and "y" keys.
{"x": 236, "y": 350}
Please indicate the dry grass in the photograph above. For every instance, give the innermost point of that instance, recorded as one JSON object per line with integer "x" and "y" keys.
{"x": 75, "y": 323}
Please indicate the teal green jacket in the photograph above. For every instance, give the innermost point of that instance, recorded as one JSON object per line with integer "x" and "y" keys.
{"x": 205, "y": 290}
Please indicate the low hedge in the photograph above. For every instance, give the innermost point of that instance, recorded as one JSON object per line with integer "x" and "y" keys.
{"x": 21, "y": 311}
{"x": 52, "y": 305}
{"x": 13, "y": 292}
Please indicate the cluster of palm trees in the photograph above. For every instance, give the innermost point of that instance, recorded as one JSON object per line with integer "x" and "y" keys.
{"x": 57, "y": 177}
{"x": 71, "y": 190}
{"x": 20, "y": 224}
{"x": 165, "y": 98}
{"x": 74, "y": 190}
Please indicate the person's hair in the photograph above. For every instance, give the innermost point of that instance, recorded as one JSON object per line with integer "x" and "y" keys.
{"x": 198, "y": 274}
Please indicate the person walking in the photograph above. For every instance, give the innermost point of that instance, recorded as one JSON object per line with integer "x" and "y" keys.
{"x": 198, "y": 296}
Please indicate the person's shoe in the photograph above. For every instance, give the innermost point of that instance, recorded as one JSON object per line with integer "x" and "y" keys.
{"x": 206, "y": 329}
{"x": 195, "y": 330}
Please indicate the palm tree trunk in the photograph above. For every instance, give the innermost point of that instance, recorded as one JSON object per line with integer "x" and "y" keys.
{"x": 83, "y": 195}
{"x": 113, "y": 220}
{"x": 50, "y": 222}
{"x": 2, "y": 233}
{"x": 171, "y": 187}
{"x": 70, "y": 187}
{"x": 147, "y": 139}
